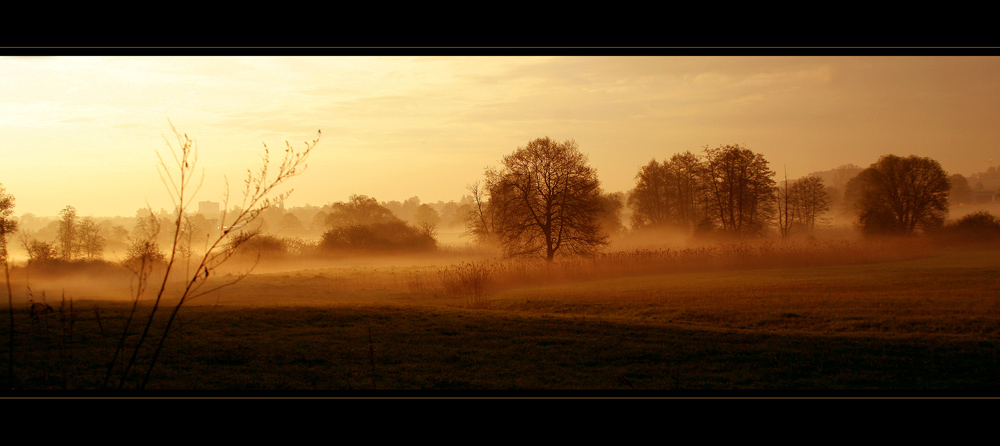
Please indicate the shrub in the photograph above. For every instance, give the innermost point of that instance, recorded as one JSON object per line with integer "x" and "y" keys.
{"x": 42, "y": 252}
{"x": 978, "y": 226}
{"x": 144, "y": 250}
{"x": 385, "y": 236}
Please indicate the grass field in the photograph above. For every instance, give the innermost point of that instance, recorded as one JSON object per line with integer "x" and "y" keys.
{"x": 689, "y": 323}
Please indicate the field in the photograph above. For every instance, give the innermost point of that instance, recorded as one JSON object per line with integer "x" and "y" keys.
{"x": 765, "y": 319}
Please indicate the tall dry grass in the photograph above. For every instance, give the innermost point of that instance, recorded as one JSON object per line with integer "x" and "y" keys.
{"x": 472, "y": 279}
{"x": 476, "y": 280}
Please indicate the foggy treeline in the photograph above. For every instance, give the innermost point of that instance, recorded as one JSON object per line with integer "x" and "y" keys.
{"x": 672, "y": 199}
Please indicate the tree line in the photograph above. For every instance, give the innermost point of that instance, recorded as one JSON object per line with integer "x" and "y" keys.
{"x": 545, "y": 199}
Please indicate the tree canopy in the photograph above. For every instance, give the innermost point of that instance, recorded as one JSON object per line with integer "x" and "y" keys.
{"x": 545, "y": 200}
{"x": 741, "y": 189}
{"x": 670, "y": 193}
{"x": 7, "y": 223}
{"x": 900, "y": 195}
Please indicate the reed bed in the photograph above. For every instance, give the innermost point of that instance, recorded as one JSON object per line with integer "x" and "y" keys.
{"x": 476, "y": 280}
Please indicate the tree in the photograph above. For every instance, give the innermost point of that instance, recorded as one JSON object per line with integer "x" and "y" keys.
{"x": 809, "y": 200}
{"x": 610, "y": 219}
{"x": 180, "y": 180}
{"x": 897, "y": 195}
{"x": 687, "y": 171}
{"x": 425, "y": 215}
{"x": 7, "y": 223}
{"x": 544, "y": 200}
{"x": 7, "y": 226}
{"x": 961, "y": 192}
{"x": 91, "y": 242}
{"x": 358, "y": 210}
{"x": 479, "y": 220}
{"x": 427, "y": 219}
{"x": 41, "y": 252}
{"x": 394, "y": 235}
{"x": 740, "y": 187}
{"x": 669, "y": 193}
{"x": 784, "y": 202}
{"x": 363, "y": 223}
{"x": 977, "y": 227}
{"x": 651, "y": 199}
{"x": 289, "y": 222}
{"x": 68, "y": 232}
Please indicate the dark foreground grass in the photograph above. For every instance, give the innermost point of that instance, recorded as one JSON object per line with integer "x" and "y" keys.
{"x": 927, "y": 326}
{"x": 420, "y": 351}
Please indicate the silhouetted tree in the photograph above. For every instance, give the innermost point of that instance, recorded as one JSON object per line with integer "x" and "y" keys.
{"x": 68, "y": 232}
{"x": 691, "y": 192}
{"x": 809, "y": 200}
{"x": 180, "y": 179}
{"x": 395, "y": 235}
{"x": 7, "y": 223}
{"x": 8, "y": 226}
{"x": 670, "y": 193}
{"x": 91, "y": 242}
{"x": 784, "y": 202}
{"x": 479, "y": 221}
{"x": 363, "y": 223}
{"x": 899, "y": 195}
{"x": 652, "y": 200}
{"x": 545, "y": 200}
{"x": 978, "y": 227}
{"x": 358, "y": 210}
{"x": 41, "y": 252}
{"x": 143, "y": 250}
{"x": 740, "y": 187}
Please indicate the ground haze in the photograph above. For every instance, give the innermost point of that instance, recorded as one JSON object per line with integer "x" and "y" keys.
{"x": 848, "y": 316}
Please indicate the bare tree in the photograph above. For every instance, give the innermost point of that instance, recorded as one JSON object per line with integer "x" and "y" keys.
{"x": 784, "y": 202}
{"x": 91, "y": 242}
{"x": 691, "y": 192}
{"x": 899, "y": 195}
{"x": 179, "y": 177}
{"x": 670, "y": 193}
{"x": 545, "y": 200}
{"x": 741, "y": 189}
{"x": 479, "y": 221}
{"x": 7, "y": 226}
{"x": 801, "y": 204}
{"x": 810, "y": 201}
{"x": 68, "y": 232}
{"x": 652, "y": 200}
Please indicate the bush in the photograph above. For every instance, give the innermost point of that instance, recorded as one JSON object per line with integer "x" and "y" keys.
{"x": 267, "y": 245}
{"x": 42, "y": 252}
{"x": 386, "y": 236}
{"x": 976, "y": 227}
{"x": 144, "y": 250}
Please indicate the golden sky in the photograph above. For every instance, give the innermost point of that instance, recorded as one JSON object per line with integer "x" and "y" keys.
{"x": 84, "y": 130}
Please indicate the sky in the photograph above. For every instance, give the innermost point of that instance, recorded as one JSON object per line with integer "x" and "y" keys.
{"x": 86, "y": 130}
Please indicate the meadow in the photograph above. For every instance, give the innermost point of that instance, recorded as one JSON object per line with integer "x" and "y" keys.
{"x": 881, "y": 318}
